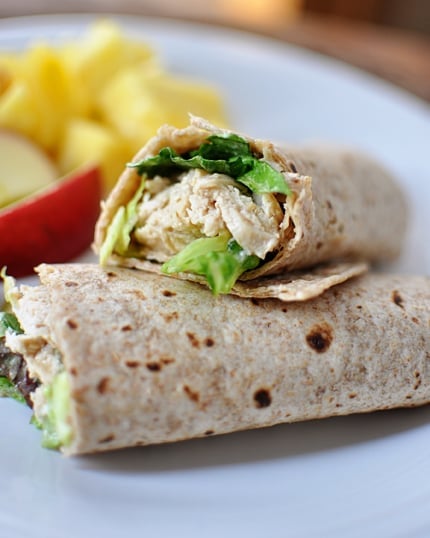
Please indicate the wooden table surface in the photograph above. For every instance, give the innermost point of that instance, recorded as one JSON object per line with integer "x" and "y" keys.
{"x": 399, "y": 56}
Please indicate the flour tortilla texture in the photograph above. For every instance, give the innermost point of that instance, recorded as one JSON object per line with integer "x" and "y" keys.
{"x": 152, "y": 359}
{"x": 345, "y": 207}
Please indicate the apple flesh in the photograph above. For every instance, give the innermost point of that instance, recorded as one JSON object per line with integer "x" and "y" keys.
{"x": 53, "y": 225}
{"x": 24, "y": 167}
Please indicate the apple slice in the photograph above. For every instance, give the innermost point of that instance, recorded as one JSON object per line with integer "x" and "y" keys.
{"x": 53, "y": 225}
{"x": 24, "y": 167}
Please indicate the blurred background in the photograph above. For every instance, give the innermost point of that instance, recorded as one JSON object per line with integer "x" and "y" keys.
{"x": 390, "y": 38}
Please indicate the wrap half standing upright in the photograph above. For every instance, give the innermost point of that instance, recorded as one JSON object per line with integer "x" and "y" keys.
{"x": 247, "y": 217}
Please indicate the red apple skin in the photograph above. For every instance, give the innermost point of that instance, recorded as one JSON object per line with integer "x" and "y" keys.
{"x": 53, "y": 226}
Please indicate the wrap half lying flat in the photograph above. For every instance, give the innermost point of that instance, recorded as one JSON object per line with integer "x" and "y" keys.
{"x": 283, "y": 211}
{"x": 147, "y": 359}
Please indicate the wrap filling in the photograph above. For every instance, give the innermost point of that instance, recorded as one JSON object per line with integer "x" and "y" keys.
{"x": 31, "y": 372}
{"x": 215, "y": 211}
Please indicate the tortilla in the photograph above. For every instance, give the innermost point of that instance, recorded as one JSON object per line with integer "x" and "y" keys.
{"x": 151, "y": 359}
{"x": 343, "y": 208}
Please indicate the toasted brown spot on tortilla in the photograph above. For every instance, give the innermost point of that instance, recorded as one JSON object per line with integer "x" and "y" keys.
{"x": 319, "y": 245}
{"x": 329, "y": 204}
{"x": 416, "y": 320}
{"x": 103, "y": 385}
{"x": 167, "y": 360}
{"x": 111, "y": 274}
{"x": 417, "y": 380}
{"x": 320, "y": 391}
{"x": 168, "y": 293}
{"x": 209, "y": 342}
{"x": 79, "y": 395}
{"x": 72, "y": 324}
{"x": 171, "y": 316}
{"x": 320, "y": 337}
{"x": 193, "y": 339}
{"x": 139, "y": 294}
{"x": 73, "y": 371}
{"x": 107, "y": 439}
{"x": 126, "y": 328}
{"x": 153, "y": 366}
{"x": 397, "y": 298}
{"x": 262, "y": 398}
{"x": 209, "y": 432}
{"x": 352, "y": 395}
{"x": 71, "y": 284}
{"x": 132, "y": 364}
{"x": 192, "y": 395}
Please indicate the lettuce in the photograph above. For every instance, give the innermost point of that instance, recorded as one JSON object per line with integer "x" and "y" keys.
{"x": 57, "y": 431}
{"x": 230, "y": 155}
{"x": 118, "y": 236}
{"x": 9, "y": 321}
{"x": 8, "y": 286}
{"x": 221, "y": 260}
{"x": 8, "y": 390}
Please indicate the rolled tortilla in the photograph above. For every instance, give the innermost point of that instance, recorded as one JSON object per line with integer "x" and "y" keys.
{"x": 151, "y": 359}
{"x": 343, "y": 209}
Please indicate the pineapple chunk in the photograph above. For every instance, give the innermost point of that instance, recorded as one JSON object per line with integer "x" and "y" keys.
{"x": 86, "y": 142}
{"x": 136, "y": 102}
{"x": 98, "y": 98}
{"x": 101, "y": 53}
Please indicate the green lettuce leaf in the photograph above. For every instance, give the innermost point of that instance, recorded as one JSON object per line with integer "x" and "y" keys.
{"x": 221, "y": 260}
{"x": 57, "y": 431}
{"x": 9, "y": 321}
{"x": 8, "y": 390}
{"x": 118, "y": 235}
{"x": 8, "y": 286}
{"x": 263, "y": 178}
{"x": 230, "y": 155}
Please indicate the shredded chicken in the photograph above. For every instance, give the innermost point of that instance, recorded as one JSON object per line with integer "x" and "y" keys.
{"x": 205, "y": 205}
{"x": 43, "y": 361}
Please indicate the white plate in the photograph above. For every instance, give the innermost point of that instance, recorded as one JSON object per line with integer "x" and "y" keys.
{"x": 359, "y": 476}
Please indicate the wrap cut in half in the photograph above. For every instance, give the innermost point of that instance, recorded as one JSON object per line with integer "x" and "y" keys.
{"x": 122, "y": 358}
{"x": 230, "y": 211}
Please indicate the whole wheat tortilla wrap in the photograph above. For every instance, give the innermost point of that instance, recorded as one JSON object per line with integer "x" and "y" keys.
{"x": 125, "y": 358}
{"x": 254, "y": 211}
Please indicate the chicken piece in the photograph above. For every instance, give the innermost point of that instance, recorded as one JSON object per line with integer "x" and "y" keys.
{"x": 206, "y": 205}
